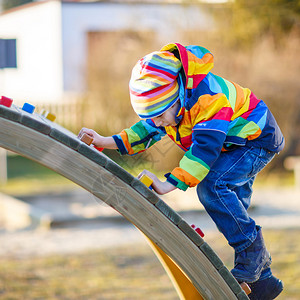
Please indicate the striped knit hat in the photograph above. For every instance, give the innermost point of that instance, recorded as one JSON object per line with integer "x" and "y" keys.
{"x": 153, "y": 86}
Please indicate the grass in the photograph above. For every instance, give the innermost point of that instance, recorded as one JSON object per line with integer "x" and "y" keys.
{"x": 128, "y": 272}
{"x": 28, "y": 177}
{"x": 122, "y": 273}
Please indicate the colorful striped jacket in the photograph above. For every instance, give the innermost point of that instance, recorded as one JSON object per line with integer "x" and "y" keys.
{"x": 215, "y": 115}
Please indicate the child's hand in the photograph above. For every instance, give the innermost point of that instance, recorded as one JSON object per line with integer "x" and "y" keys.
{"x": 160, "y": 187}
{"x": 99, "y": 140}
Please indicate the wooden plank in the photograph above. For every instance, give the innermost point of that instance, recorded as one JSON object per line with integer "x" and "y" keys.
{"x": 66, "y": 139}
{"x": 144, "y": 191}
{"x": 190, "y": 232}
{"x": 171, "y": 214}
{"x": 10, "y": 113}
{"x": 35, "y": 121}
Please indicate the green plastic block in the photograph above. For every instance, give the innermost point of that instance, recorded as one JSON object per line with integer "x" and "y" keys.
{"x": 191, "y": 233}
{"x": 145, "y": 191}
{"x": 168, "y": 212}
{"x": 65, "y": 139}
{"x": 212, "y": 256}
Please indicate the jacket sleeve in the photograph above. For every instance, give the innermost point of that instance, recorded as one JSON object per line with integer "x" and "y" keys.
{"x": 139, "y": 137}
{"x": 209, "y": 133}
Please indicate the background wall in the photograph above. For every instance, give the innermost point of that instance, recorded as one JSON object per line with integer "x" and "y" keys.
{"x": 37, "y": 77}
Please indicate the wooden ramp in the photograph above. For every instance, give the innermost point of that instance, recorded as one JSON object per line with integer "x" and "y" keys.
{"x": 35, "y": 137}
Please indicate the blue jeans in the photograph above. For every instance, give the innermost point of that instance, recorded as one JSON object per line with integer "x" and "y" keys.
{"x": 226, "y": 193}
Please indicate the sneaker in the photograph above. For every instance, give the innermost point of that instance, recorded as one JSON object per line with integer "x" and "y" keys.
{"x": 266, "y": 289}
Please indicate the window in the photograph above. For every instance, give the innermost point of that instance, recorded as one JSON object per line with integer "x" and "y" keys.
{"x": 8, "y": 53}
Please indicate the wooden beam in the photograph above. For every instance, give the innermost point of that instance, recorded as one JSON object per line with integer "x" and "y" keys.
{"x": 54, "y": 147}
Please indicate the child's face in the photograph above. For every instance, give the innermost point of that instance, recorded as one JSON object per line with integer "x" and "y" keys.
{"x": 168, "y": 117}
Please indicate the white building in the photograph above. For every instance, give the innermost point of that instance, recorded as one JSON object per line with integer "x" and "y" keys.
{"x": 43, "y": 45}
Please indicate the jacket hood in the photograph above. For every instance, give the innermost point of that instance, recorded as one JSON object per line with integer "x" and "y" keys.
{"x": 196, "y": 62}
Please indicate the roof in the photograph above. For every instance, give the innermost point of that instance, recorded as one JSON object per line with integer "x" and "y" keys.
{"x": 24, "y": 6}
{"x": 185, "y": 2}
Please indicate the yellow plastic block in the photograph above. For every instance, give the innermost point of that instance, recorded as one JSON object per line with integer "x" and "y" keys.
{"x": 51, "y": 117}
{"x": 146, "y": 180}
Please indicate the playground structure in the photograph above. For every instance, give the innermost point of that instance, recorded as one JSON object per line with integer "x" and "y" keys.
{"x": 198, "y": 273}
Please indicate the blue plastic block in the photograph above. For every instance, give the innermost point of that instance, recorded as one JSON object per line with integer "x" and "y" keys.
{"x": 28, "y": 108}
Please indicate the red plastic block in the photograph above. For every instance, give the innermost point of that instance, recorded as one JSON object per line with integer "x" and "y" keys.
{"x": 99, "y": 149}
{"x": 198, "y": 230}
{"x": 6, "y": 101}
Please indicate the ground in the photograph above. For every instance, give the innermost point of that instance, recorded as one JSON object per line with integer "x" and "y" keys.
{"x": 67, "y": 263}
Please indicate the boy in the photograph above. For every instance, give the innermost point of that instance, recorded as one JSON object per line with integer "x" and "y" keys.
{"x": 228, "y": 136}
